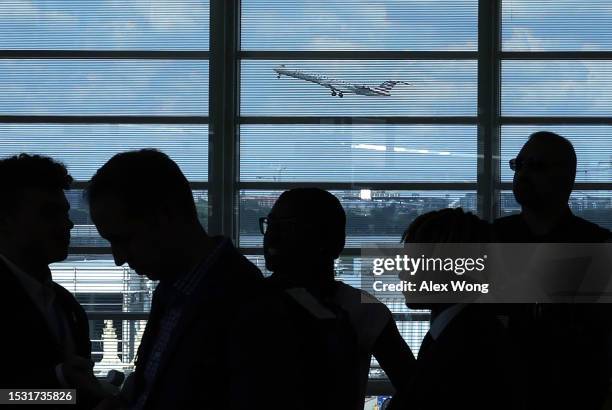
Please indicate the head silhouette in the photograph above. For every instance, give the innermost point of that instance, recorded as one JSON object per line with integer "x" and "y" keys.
{"x": 444, "y": 226}
{"x": 306, "y": 231}
{"x": 545, "y": 172}
{"x": 34, "y": 221}
{"x": 142, "y": 204}
{"x": 449, "y": 225}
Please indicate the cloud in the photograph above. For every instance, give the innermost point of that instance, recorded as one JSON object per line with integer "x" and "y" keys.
{"x": 523, "y": 39}
{"x": 25, "y": 10}
{"x": 368, "y": 25}
{"x": 18, "y": 9}
{"x": 164, "y": 14}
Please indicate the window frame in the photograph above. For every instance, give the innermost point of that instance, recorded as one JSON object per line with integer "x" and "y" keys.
{"x": 224, "y": 119}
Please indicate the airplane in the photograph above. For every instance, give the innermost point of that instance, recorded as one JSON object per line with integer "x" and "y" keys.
{"x": 339, "y": 87}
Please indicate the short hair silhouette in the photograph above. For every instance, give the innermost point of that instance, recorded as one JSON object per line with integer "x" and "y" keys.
{"x": 23, "y": 171}
{"x": 447, "y": 225}
{"x": 324, "y": 213}
{"x": 144, "y": 180}
{"x": 561, "y": 144}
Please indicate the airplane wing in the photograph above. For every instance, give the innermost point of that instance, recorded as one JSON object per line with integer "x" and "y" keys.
{"x": 333, "y": 85}
{"x": 389, "y": 84}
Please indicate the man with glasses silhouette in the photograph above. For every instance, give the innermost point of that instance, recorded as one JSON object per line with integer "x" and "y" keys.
{"x": 544, "y": 175}
{"x": 563, "y": 346}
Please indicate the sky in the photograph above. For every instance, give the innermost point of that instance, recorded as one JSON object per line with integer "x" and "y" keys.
{"x": 269, "y": 153}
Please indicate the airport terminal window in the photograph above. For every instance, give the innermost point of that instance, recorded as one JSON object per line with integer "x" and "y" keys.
{"x": 370, "y": 141}
{"x": 83, "y": 80}
{"x": 556, "y": 74}
{"x": 340, "y": 100}
{"x": 397, "y": 107}
{"x": 560, "y": 25}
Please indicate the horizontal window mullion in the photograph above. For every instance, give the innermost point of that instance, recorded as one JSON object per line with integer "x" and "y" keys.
{"x": 538, "y": 120}
{"x": 555, "y": 55}
{"x": 90, "y": 250}
{"x": 359, "y": 55}
{"x": 257, "y": 251}
{"x": 395, "y": 186}
{"x": 104, "y": 54}
{"x": 197, "y": 185}
{"x": 578, "y": 186}
{"x": 110, "y": 315}
{"x": 459, "y": 120}
{"x": 102, "y": 119}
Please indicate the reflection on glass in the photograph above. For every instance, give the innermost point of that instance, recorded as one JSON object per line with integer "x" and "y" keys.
{"x": 372, "y": 153}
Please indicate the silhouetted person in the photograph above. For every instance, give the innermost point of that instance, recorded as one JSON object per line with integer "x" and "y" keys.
{"x": 544, "y": 174}
{"x": 464, "y": 359}
{"x": 331, "y": 330}
{"x": 45, "y": 342}
{"x": 563, "y": 346}
{"x": 142, "y": 204}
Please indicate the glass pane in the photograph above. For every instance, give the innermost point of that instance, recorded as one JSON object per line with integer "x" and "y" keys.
{"x": 85, "y": 234}
{"x": 372, "y": 216}
{"x": 104, "y": 25}
{"x": 85, "y": 148}
{"x": 359, "y": 25}
{"x": 423, "y": 153}
{"x": 99, "y": 285}
{"x": 103, "y": 87}
{"x": 559, "y": 25}
{"x": 557, "y": 88}
{"x": 114, "y": 344}
{"x": 436, "y": 88}
{"x": 593, "y": 147}
{"x": 594, "y": 206}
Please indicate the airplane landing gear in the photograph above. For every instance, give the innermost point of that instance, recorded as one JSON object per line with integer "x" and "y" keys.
{"x": 333, "y": 93}
{"x": 340, "y": 94}
{"x": 278, "y": 76}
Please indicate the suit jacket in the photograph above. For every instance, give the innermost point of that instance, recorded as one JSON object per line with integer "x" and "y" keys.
{"x": 30, "y": 351}
{"x": 467, "y": 367}
{"x": 563, "y": 348}
{"x": 194, "y": 370}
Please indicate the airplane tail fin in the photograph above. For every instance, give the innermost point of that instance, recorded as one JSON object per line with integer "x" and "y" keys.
{"x": 388, "y": 85}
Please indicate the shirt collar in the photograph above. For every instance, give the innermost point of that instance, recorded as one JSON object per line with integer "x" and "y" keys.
{"x": 187, "y": 283}
{"x": 443, "y": 319}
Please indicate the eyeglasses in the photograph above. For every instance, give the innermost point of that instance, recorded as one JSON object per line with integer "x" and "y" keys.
{"x": 538, "y": 165}
{"x": 265, "y": 222}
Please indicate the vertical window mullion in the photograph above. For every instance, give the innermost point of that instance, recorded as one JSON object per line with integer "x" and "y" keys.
{"x": 224, "y": 36}
{"x": 489, "y": 83}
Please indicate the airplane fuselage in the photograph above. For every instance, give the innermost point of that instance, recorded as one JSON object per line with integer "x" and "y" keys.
{"x": 338, "y": 87}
